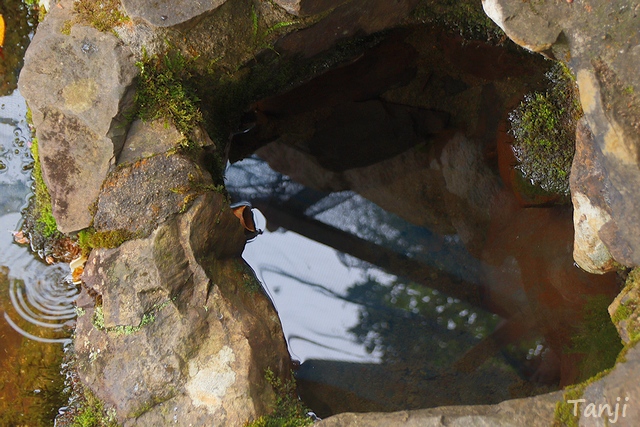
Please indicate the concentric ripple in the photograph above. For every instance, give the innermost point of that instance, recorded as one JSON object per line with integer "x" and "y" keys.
{"x": 42, "y": 309}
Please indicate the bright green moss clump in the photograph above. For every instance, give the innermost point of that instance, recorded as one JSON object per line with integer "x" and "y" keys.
{"x": 45, "y": 222}
{"x": 544, "y": 127}
{"x": 288, "y": 411}
{"x": 93, "y": 414}
{"x": 103, "y": 15}
{"x": 165, "y": 92}
{"x": 89, "y": 239}
{"x": 563, "y": 414}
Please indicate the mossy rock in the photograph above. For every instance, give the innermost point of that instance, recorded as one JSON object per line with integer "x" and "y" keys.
{"x": 544, "y": 127}
{"x": 625, "y": 309}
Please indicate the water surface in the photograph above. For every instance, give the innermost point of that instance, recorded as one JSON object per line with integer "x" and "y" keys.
{"x": 35, "y": 298}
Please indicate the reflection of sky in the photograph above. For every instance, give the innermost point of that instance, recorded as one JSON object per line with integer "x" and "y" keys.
{"x": 253, "y": 179}
{"x": 315, "y": 320}
{"x": 307, "y": 279}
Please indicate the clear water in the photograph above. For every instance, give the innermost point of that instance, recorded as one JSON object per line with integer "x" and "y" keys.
{"x": 372, "y": 336}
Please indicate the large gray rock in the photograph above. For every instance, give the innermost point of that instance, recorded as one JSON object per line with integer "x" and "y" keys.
{"x": 532, "y": 412}
{"x": 601, "y": 44}
{"x": 137, "y": 197}
{"x": 79, "y": 120}
{"x": 146, "y": 139}
{"x": 523, "y": 23}
{"x": 183, "y": 335}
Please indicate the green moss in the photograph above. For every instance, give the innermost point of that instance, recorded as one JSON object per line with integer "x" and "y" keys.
{"x": 544, "y": 127}
{"x": 66, "y": 27}
{"x": 288, "y": 409}
{"x": 92, "y": 413}
{"x": 45, "y": 222}
{"x": 597, "y": 339}
{"x": 89, "y": 239}
{"x": 623, "y": 312}
{"x": 147, "y": 318}
{"x": 563, "y": 414}
{"x": 195, "y": 189}
{"x": 98, "y": 318}
{"x": 165, "y": 91}
{"x": 103, "y": 15}
{"x": 262, "y": 38}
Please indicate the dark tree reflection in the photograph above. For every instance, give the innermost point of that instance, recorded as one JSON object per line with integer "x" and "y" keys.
{"x": 407, "y": 323}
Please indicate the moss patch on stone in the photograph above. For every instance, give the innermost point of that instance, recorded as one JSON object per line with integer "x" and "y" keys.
{"x": 89, "y": 239}
{"x": 121, "y": 330}
{"x": 92, "y": 413}
{"x": 165, "y": 91}
{"x": 45, "y": 222}
{"x": 564, "y": 412}
{"x": 544, "y": 127}
{"x": 625, "y": 309}
{"x": 103, "y": 15}
{"x": 288, "y": 410}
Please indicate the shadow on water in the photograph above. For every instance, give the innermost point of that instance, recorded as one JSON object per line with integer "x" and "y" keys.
{"x": 36, "y": 310}
{"x": 417, "y": 278}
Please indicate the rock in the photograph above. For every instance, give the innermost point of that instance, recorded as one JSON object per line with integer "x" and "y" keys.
{"x": 600, "y": 44}
{"x": 619, "y": 159}
{"x": 138, "y": 197}
{"x": 589, "y": 182}
{"x": 620, "y": 387}
{"x": 79, "y": 118}
{"x": 533, "y": 412}
{"x": 167, "y": 13}
{"x": 307, "y": 7}
{"x": 625, "y": 310}
{"x": 183, "y": 335}
{"x": 147, "y": 139}
{"x": 523, "y": 24}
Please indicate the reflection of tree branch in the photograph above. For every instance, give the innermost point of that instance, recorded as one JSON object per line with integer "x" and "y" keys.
{"x": 381, "y": 256}
{"x": 323, "y": 289}
{"x": 328, "y": 347}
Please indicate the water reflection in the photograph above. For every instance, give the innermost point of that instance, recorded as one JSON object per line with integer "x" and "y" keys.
{"x": 385, "y": 315}
{"x": 35, "y": 298}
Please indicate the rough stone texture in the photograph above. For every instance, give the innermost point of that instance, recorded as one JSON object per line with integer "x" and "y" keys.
{"x": 146, "y": 139}
{"x": 523, "y": 24}
{"x": 600, "y": 42}
{"x": 618, "y": 387}
{"x": 589, "y": 184}
{"x": 199, "y": 357}
{"x": 307, "y": 7}
{"x": 88, "y": 77}
{"x": 625, "y": 309}
{"x": 167, "y": 13}
{"x": 139, "y": 196}
{"x": 532, "y": 412}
